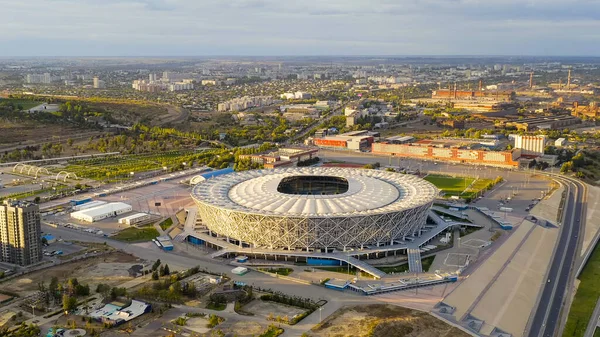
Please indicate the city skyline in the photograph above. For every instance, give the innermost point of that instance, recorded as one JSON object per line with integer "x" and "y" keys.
{"x": 264, "y": 27}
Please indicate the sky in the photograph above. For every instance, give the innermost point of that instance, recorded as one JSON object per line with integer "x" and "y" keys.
{"x": 299, "y": 27}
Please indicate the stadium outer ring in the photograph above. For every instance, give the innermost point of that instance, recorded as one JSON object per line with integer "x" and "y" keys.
{"x": 379, "y": 208}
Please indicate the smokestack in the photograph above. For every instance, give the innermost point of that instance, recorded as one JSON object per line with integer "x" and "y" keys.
{"x": 454, "y": 90}
{"x": 480, "y": 85}
{"x": 559, "y": 83}
{"x": 569, "y": 80}
{"x": 531, "y": 80}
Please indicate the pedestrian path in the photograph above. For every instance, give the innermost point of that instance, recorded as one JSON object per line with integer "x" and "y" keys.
{"x": 414, "y": 260}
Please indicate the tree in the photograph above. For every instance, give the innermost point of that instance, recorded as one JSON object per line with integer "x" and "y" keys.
{"x": 161, "y": 271}
{"x": 156, "y": 264}
{"x": 70, "y": 142}
{"x": 69, "y": 303}
{"x": 167, "y": 271}
{"x": 566, "y": 167}
{"x": 155, "y": 275}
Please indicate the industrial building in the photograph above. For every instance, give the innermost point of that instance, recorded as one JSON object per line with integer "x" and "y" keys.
{"x": 543, "y": 123}
{"x": 530, "y": 145}
{"x": 20, "y": 233}
{"x": 101, "y": 212}
{"x": 400, "y": 139}
{"x": 90, "y": 204}
{"x": 314, "y": 207}
{"x": 117, "y": 314}
{"x": 354, "y": 140}
{"x": 284, "y": 157}
{"x": 429, "y": 152}
{"x": 472, "y": 94}
{"x": 136, "y": 219}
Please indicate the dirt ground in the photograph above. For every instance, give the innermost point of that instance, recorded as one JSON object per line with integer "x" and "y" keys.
{"x": 241, "y": 328}
{"x": 264, "y": 308}
{"x": 109, "y": 269}
{"x": 380, "y": 320}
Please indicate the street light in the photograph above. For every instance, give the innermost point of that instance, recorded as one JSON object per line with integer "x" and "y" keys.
{"x": 320, "y": 317}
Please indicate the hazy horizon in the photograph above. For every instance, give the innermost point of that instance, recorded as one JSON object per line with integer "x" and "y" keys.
{"x": 155, "y": 28}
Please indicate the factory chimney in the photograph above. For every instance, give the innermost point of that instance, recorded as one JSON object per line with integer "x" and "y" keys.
{"x": 531, "y": 80}
{"x": 569, "y": 80}
{"x": 454, "y": 90}
{"x": 480, "y": 85}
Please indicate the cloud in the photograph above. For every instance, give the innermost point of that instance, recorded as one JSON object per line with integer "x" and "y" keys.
{"x": 270, "y": 27}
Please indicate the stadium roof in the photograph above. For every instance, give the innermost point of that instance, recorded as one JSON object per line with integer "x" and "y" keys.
{"x": 369, "y": 192}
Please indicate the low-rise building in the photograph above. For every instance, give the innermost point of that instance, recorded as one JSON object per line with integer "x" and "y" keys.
{"x": 116, "y": 313}
{"x": 560, "y": 142}
{"x": 458, "y": 155}
{"x": 543, "y": 123}
{"x": 101, "y": 212}
{"x": 284, "y": 157}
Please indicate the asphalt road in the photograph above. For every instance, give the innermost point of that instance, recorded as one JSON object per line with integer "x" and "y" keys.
{"x": 546, "y": 320}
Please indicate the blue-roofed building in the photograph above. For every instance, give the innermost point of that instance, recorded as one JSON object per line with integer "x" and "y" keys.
{"x": 49, "y": 238}
{"x": 205, "y": 176}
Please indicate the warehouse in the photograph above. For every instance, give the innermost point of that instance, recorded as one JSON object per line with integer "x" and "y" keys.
{"x": 101, "y": 212}
{"x": 136, "y": 219}
{"x": 87, "y": 205}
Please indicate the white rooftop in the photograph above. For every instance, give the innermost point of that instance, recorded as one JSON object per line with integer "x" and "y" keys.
{"x": 102, "y": 209}
{"x": 369, "y": 192}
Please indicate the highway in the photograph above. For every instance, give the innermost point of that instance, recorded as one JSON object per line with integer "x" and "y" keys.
{"x": 546, "y": 320}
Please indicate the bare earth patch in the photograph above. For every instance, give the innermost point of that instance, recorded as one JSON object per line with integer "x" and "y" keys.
{"x": 381, "y": 320}
{"x": 110, "y": 269}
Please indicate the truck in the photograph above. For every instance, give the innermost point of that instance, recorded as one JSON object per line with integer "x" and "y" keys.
{"x": 506, "y": 209}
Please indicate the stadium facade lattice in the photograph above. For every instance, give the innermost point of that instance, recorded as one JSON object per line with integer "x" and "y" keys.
{"x": 314, "y": 207}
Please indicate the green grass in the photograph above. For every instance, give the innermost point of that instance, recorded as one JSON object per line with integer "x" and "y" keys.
{"x": 425, "y": 262}
{"x": 166, "y": 224}
{"x": 24, "y": 103}
{"x": 133, "y": 234}
{"x": 469, "y": 230}
{"x": 344, "y": 270}
{"x": 450, "y": 185}
{"x": 597, "y": 332}
{"x": 216, "y": 306}
{"x": 279, "y": 271}
{"x": 585, "y": 299}
{"x": 394, "y": 269}
{"x": 459, "y": 186}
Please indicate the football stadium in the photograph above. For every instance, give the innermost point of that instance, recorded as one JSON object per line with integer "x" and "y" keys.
{"x": 314, "y": 208}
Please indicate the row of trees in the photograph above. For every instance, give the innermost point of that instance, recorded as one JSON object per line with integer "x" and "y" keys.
{"x": 68, "y": 292}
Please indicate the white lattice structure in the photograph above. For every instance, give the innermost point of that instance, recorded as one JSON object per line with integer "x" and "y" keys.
{"x": 362, "y": 207}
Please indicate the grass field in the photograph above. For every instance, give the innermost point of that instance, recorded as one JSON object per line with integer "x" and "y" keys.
{"x": 450, "y": 185}
{"x": 426, "y": 263}
{"x": 168, "y": 222}
{"x": 25, "y": 104}
{"x": 133, "y": 234}
{"x": 459, "y": 186}
{"x": 585, "y": 299}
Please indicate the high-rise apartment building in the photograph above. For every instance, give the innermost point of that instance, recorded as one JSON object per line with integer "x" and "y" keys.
{"x": 20, "y": 233}
{"x": 98, "y": 83}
